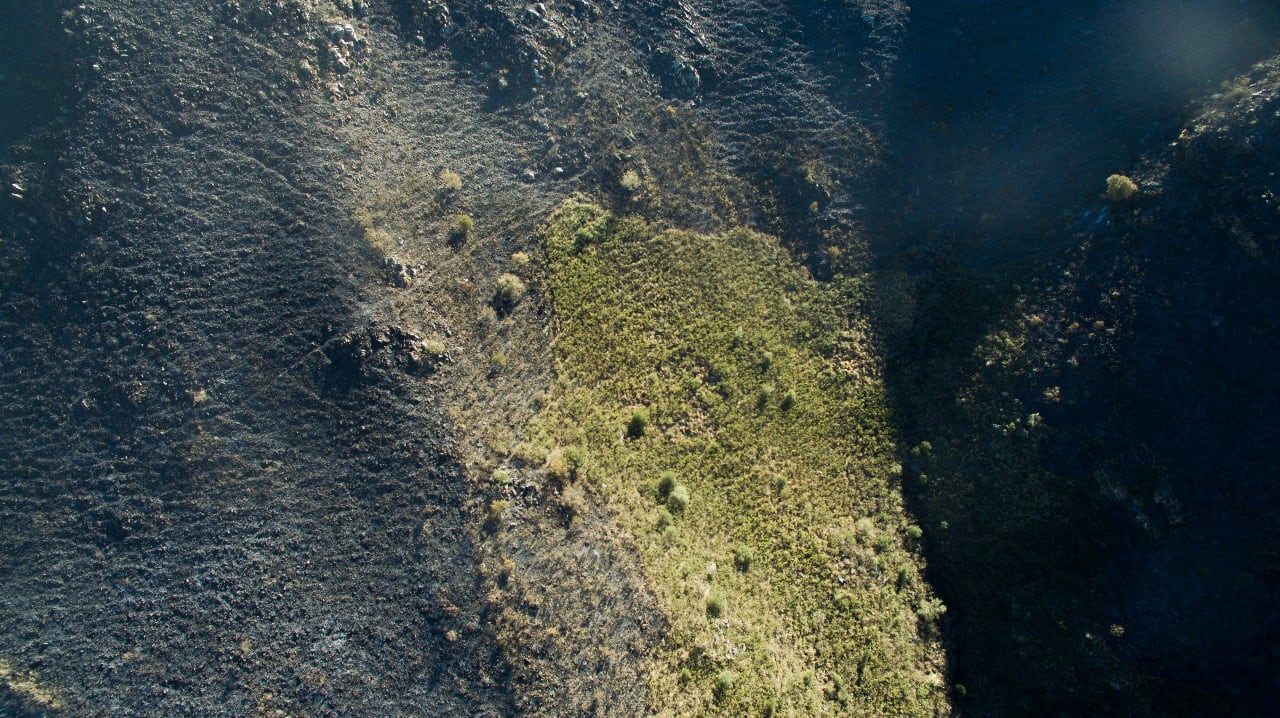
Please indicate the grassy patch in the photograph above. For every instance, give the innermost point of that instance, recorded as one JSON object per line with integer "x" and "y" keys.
{"x": 665, "y": 344}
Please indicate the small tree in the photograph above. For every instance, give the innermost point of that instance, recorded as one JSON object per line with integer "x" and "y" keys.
{"x": 666, "y": 483}
{"x": 724, "y": 683}
{"x": 789, "y": 400}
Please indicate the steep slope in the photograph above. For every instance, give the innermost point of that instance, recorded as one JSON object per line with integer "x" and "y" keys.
{"x": 203, "y": 517}
{"x": 1099, "y": 434}
{"x": 304, "y": 402}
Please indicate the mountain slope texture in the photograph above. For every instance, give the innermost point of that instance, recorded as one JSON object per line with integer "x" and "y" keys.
{"x": 667, "y": 357}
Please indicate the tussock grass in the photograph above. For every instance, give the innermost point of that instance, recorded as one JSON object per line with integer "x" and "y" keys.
{"x": 691, "y": 328}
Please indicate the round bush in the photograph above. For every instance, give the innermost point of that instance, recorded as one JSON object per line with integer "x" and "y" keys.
{"x": 665, "y": 519}
{"x": 510, "y": 288}
{"x": 679, "y": 498}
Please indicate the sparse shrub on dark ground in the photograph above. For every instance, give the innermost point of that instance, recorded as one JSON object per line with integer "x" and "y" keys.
{"x": 510, "y": 290}
{"x": 1120, "y": 189}
{"x": 460, "y": 229}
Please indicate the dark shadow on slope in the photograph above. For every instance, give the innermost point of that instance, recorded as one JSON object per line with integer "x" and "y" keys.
{"x": 1006, "y": 120}
{"x": 1006, "y": 115}
{"x": 38, "y": 72}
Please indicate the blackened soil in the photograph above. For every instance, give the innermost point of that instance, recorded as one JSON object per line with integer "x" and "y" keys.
{"x": 39, "y": 75}
{"x": 196, "y": 522}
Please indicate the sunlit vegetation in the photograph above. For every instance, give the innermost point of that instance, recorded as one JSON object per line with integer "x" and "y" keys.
{"x": 461, "y": 228}
{"x": 510, "y": 289}
{"x": 769, "y": 521}
{"x": 1120, "y": 188}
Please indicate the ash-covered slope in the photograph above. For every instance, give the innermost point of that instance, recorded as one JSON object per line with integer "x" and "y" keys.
{"x": 202, "y": 516}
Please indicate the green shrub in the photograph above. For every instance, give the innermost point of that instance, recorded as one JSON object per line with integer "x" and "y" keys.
{"x": 631, "y": 181}
{"x": 461, "y": 227}
{"x": 510, "y": 289}
{"x": 638, "y": 422}
{"x": 789, "y": 400}
{"x": 450, "y": 181}
{"x": 906, "y": 576}
{"x": 520, "y": 259}
{"x": 766, "y": 395}
{"x": 743, "y": 556}
{"x": 666, "y": 482}
{"x": 576, "y": 457}
{"x": 665, "y": 519}
{"x": 1120, "y": 188}
{"x": 557, "y": 465}
{"x": 715, "y": 606}
{"x": 724, "y": 683}
{"x": 931, "y": 609}
{"x": 679, "y": 498}
{"x": 865, "y": 528}
{"x": 497, "y": 510}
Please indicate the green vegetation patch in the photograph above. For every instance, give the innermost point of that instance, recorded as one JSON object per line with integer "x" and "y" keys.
{"x": 702, "y": 376}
